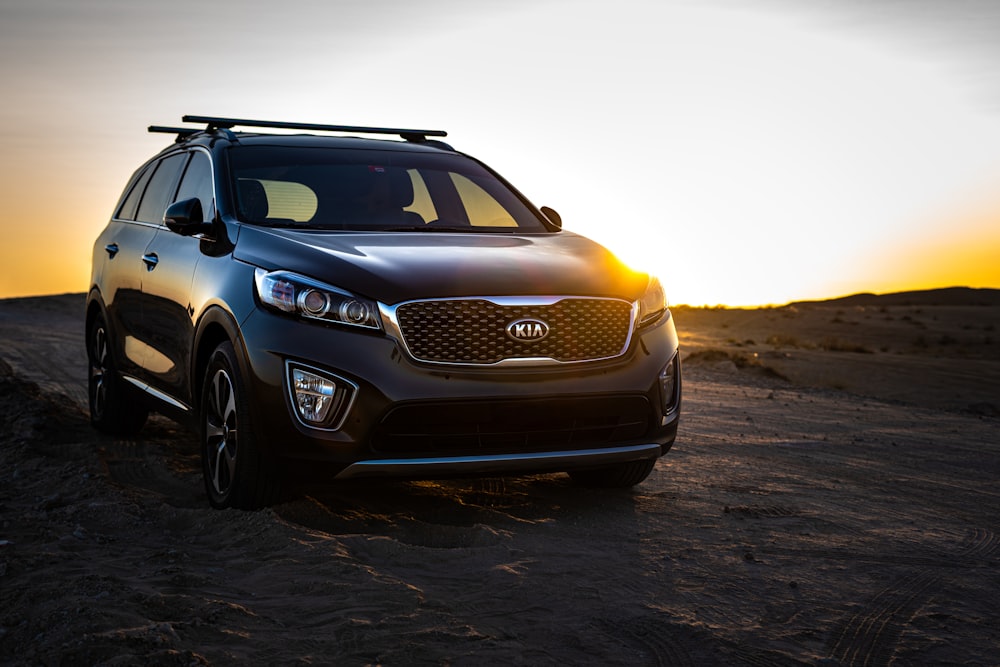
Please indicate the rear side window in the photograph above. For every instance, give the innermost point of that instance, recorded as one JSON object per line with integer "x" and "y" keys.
{"x": 131, "y": 203}
{"x": 161, "y": 188}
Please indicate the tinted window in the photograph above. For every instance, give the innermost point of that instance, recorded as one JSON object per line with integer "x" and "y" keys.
{"x": 364, "y": 190}
{"x": 160, "y": 189}
{"x": 197, "y": 182}
{"x": 131, "y": 203}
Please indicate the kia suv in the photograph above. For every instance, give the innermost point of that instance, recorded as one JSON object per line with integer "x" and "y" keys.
{"x": 369, "y": 307}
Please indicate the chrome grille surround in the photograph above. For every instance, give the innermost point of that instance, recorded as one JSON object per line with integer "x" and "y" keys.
{"x": 472, "y": 331}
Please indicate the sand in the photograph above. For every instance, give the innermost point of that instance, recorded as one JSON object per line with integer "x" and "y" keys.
{"x": 803, "y": 517}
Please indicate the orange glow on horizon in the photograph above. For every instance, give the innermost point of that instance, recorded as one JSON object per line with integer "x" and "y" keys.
{"x": 946, "y": 259}
{"x": 38, "y": 261}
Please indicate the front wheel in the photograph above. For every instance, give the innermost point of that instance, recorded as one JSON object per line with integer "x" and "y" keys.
{"x": 234, "y": 467}
{"x": 619, "y": 475}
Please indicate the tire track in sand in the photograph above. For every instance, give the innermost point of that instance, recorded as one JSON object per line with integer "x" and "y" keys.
{"x": 870, "y": 635}
{"x": 133, "y": 463}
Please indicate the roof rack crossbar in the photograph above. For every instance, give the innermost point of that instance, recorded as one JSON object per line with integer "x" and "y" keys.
{"x": 228, "y": 123}
{"x": 181, "y": 132}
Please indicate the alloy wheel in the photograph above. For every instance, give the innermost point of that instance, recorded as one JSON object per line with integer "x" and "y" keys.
{"x": 98, "y": 370}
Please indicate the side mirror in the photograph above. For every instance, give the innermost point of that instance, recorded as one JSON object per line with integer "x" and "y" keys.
{"x": 185, "y": 217}
{"x": 553, "y": 217}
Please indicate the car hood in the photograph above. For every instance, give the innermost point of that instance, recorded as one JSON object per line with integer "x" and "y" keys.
{"x": 392, "y": 267}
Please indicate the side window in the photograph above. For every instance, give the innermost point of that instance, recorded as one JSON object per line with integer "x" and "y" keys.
{"x": 197, "y": 182}
{"x": 131, "y": 203}
{"x": 160, "y": 190}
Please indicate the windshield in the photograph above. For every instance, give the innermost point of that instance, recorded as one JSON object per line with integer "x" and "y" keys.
{"x": 333, "y": 188}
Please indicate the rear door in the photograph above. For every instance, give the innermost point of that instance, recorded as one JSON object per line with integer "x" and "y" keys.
{"x": 120, "y": 250}
{"x": 167, "y": 314}
{"x": 136, "y": 265}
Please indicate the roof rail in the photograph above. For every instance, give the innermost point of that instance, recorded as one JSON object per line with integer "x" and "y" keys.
{"x": 214, "y": 123}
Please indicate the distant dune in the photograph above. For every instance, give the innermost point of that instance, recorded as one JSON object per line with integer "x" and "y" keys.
{"x": 948, "y": 296}
{"x": 934, "y": 348}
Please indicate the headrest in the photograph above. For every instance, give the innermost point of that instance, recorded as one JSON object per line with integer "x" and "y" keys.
{"x": 253, "y": 199}
{"x": 400, "y": 188}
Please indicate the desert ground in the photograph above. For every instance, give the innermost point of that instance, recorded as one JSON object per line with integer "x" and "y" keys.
{"x": 831, "y": 500}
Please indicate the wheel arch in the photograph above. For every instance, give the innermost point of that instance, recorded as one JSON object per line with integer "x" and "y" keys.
{"x": 214, "y": 327}
{"x": 95, "y": 306}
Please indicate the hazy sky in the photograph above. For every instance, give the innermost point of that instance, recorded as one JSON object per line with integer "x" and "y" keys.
{"x": 747, "y": 151}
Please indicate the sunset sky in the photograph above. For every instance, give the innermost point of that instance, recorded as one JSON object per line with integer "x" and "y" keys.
{"x": 747, "y": 151}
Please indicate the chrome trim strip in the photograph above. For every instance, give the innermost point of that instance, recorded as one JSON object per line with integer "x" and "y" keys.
{"x": 156, "y": 393}
{"x": 676, "y": 358}
{"x": 319, "y": 371}
{"x": 498, "y": 462}
{"x": 391, "y": 324}
{"x": 151, "y": 225}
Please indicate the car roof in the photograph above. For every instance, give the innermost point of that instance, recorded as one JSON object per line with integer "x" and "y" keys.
{"x": 320, "y": 141}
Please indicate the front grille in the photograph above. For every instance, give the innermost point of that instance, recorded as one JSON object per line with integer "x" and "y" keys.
{"x": 474, "y": 331}
{"x": 512, "y": 426}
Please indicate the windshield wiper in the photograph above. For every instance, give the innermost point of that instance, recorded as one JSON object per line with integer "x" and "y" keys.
{"x": 446, "y": 228}
{"x": 283, "y": 224}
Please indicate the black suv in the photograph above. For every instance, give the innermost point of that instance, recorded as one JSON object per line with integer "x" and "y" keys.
{"x": 369, "y": 307}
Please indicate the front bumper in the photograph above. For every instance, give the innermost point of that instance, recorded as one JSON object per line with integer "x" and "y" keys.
{"x": 506, "y": 419}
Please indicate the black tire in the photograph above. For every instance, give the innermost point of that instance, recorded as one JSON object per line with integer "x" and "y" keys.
{"x": 619, "y": 475}
{"x": 236, "y": 471}
{"x": 112, "y": 408}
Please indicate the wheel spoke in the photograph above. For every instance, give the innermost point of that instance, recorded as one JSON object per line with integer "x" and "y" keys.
{"x": 230, "y": 410}
{"x": 220, "y": 451}
{"x": 230, "y": 453}
{"x": 220, "y": 432}
{"x": 214, "y": 397}
{"x": 102, "y": 348}
{"x": 213, "y": 431}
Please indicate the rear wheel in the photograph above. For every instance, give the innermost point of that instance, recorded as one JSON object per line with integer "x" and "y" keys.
{"x": 112, "y": 408}
{"x": 235, "y": 469}
{"x": 619, "y": 475}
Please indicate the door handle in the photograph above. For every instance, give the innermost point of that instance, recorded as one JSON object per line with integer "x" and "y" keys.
{"x": 151, "y": 260}
{"x": 112, "y": 250}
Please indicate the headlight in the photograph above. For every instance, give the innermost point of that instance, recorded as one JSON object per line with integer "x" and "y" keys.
{"x": 653, "y": 302}
{"x": 312, "y": 299}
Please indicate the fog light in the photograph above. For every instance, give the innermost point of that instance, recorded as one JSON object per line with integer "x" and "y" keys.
{"x": 313, "y": 395}
{"x": 321, "y": 399}
{"x": 668, "y": 385}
